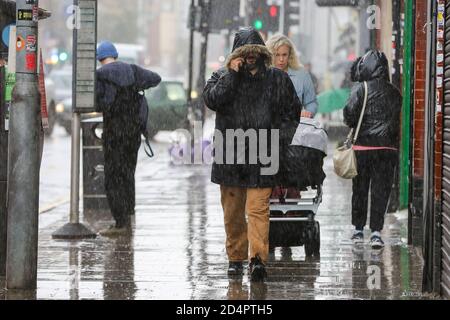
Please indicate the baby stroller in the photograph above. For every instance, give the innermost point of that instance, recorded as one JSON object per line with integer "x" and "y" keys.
{"x": 292, "y": 217}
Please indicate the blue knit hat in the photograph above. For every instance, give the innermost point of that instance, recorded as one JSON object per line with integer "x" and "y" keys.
{"x": 106, "y": 50}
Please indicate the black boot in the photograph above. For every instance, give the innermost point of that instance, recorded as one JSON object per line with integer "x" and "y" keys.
{"x": 257, "y": 270}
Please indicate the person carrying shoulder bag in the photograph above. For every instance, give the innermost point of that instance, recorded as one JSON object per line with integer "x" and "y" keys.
{"x": 377, "y": 143}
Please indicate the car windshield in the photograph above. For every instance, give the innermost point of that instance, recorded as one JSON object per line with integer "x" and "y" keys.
{"x": 175, "y": 92}
{"x": 168, "y": 91}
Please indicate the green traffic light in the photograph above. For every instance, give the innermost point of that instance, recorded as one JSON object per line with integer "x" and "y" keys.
{"x": 63, "y": 56}
{"x": 258, "y": 24}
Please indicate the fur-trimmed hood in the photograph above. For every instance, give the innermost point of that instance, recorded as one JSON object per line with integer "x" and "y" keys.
{"x": 246, "y": 41}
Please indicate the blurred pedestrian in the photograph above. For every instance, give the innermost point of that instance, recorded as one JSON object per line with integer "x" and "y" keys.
{"x": 118, "y": 96}
{"x": 285, "y": 58}
{"x": 377, "y": 145}
{"x": 248, "y": 94}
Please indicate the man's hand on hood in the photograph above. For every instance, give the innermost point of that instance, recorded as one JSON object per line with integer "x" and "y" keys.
{"x": 236, "y": 64}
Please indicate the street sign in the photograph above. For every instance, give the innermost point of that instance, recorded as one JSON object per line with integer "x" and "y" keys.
{"x": 5, "y": 35}
{"x": 85, "y": 47}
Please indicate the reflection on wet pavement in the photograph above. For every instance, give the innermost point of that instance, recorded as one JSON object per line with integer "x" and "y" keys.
{"x": 177, "y": 250}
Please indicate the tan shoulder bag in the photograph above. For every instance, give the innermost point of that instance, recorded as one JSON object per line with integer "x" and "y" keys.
{"x": 344, "y": 157}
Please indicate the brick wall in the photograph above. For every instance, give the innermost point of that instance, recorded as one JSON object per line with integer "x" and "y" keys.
{"x": 420, "y": 57}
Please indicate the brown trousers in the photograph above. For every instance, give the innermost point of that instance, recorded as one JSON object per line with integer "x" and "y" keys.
{"x": 240, "y": 234}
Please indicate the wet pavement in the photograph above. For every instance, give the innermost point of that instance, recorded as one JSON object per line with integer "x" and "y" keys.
{"x": 177, "y": 252}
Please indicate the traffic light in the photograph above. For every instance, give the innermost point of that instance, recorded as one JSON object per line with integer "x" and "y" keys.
{"x": 264, "y": 17}
{"x": 257, "y": 14}
{"x": 273, "y": 18}
{"x": 291, "y": 14}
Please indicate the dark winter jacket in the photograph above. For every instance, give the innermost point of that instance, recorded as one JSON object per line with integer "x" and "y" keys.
{"x": 266, "y": 100}
{"x": 114, "y": 97}
{"x": 381, "y": 122}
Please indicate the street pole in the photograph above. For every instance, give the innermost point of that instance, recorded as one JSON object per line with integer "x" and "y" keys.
{"x": 3, "y": 174}
{"x": 75, "y": 170}
{"x": 24, "y": 156}
{"x": 83, "y": 67}
{"x": 205, "y": 7}
{"x": 191, "y": 50}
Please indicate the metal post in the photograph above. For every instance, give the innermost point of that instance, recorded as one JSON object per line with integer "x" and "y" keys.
{"x": 23, "y": 157}
{"x": 74, "y": 229}
{"x": 75, "y": 171}
{"x": 191, "y": 50}
{"x": 205, "y": 5}
{"x": 3, "y": 174}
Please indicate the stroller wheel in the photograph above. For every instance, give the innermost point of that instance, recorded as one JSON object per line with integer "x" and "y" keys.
{"x": 316, "y": 240}
{"x": 309, "y": 242}
{"x": 312, "y": 241}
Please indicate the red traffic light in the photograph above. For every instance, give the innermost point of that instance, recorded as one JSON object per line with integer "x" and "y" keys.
{"x": 273, "y": 11}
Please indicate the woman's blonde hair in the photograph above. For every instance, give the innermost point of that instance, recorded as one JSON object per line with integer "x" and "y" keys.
{"x": 277, "y": 41}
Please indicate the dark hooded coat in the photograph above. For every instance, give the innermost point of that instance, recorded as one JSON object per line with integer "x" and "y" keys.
{"x": 381, "y": 122}
{"x": 117, "y": 86}
{"x": 266, "y": 100}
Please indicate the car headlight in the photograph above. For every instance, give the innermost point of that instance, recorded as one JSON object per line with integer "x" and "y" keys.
{"x": 60, "y": 108}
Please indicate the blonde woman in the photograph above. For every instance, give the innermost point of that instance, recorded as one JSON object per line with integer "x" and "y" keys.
{"x": 285, "y": 58}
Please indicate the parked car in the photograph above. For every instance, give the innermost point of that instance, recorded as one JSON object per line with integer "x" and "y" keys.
{"x": 51, "y": 105}
{"x": 167, "y": 107}
{"x": 64, "y": 114}
{"x": 58, "y": 84}
{"x": 62, "y": 78}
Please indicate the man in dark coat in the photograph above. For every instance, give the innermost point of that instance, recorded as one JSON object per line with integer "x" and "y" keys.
{"x": 118, "y": 84}
{"x": 250, "y": 96}
{"x": 377, "y": 145}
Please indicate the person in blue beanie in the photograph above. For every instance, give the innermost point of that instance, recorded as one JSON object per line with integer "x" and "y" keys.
{"x": 117, "y": 93}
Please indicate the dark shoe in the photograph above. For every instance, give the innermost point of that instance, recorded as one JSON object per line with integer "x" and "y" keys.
{"x": 235, "y": 269}
{"x": 257, "y": 270}
{"x": 358, "y": 237}
{"x": 115, "y": 231}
